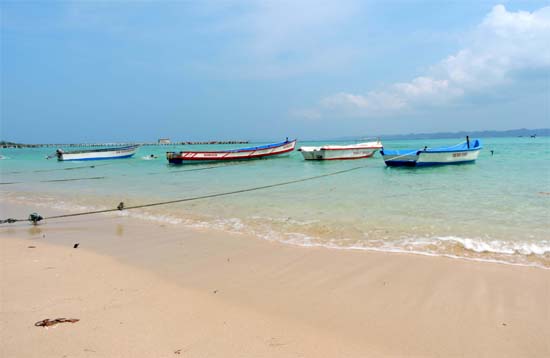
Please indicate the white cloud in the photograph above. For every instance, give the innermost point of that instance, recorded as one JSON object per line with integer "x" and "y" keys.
{"x": 502, "y": 45}
{"x": 373, "y": 101}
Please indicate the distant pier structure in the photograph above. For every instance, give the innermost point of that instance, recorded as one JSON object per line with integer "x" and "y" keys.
{"x": 161, "y": 141}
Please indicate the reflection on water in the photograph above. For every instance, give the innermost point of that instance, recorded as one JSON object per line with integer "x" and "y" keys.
{"x": 119, "y": 230}
{"x": 34, "y": 230}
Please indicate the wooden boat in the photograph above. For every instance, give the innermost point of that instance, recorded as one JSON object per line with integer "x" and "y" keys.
{"x": 466, "y": 152}
{"x": 338, "y": 152}
{"x": 262, "y": 151}
{"x": 98, "y": 154}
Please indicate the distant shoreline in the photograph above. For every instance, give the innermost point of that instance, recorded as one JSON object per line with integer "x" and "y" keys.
{"x": 523, "y": 132}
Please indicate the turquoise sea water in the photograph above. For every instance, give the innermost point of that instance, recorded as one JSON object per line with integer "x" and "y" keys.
{"x": 497, "y": 209}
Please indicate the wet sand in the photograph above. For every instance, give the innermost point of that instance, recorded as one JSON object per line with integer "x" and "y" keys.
{"x": 144, "y": 289}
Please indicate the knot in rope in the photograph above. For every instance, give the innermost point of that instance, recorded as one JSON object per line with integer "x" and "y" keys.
{"x": 35, "y": 218}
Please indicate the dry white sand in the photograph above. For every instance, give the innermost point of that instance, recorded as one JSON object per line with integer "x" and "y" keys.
{"x": 145, "y": 290}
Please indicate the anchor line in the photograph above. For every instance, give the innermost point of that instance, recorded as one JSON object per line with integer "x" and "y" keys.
{"x": 34, "y": 218}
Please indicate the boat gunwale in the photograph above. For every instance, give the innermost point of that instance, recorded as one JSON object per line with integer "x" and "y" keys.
{"x": 101, "y": 150}
{"x": 239, "y": 150}
{"x": 402, "y": 152}
{"x": 356, "y": 146}
{"x": 203, "y": 159}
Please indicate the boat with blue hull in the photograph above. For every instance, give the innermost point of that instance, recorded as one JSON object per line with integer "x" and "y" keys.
{"x": 465, "y": 152}
{"x": 97, "y": 154}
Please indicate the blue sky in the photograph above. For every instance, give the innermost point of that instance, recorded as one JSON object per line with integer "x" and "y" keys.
{"x": 261, "y": 70}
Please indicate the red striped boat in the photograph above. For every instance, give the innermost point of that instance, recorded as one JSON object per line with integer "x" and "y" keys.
{"x": 262, "y": 151}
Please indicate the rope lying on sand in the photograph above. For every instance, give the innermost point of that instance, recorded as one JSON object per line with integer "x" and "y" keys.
{"x": 35, "y": 218}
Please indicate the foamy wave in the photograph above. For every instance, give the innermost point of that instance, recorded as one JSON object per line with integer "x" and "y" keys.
{"x": 54, "y": 203}
{"x": 168, "y": 219}
{"x": 494, "y": 251}
{"x": 501, "y": 247}
{"x": 524, "y": 253}
{"x": 285, "y": 220}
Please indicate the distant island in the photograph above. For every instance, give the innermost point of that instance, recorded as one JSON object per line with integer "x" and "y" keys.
{"x": 523, "y": 132}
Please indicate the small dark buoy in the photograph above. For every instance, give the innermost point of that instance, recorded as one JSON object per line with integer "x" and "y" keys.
{"x": 76, "y": 245}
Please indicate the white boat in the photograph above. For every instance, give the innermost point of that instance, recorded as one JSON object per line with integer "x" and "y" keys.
{"x": 98, "y": 154}
{"x": 339, "y": 152}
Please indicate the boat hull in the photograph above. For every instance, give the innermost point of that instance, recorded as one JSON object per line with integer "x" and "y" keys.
{"x": 270, "y": 150}
{"x": 431, "y": 157}
{"x": 332, "y": 152}
{"x": 114, "y": 153}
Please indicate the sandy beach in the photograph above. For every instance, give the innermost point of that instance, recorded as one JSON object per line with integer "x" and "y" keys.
{"x": 144, "y": 289}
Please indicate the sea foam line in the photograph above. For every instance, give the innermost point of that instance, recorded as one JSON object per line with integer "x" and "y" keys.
{"x": 417, "y": 246}
{"x": 310, "y": 243}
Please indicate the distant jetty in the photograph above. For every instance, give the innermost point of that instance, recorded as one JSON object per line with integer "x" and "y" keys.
{"x": 4, "y": 144}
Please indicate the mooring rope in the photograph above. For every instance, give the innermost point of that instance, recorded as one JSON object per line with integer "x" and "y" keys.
{"x": 405, "y": 155}
{"x": 71, "y": 168}
{"x": 58, "y": 169}
{"x": 203, "y": 168}
{"x": 70, "y": 179}
{"x": 103, "y": 177}
{"x": 35, "y": 218}
{"x": 52, "y": 180}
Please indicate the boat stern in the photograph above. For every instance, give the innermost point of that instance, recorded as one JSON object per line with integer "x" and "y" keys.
{"x": 399, "y": 158}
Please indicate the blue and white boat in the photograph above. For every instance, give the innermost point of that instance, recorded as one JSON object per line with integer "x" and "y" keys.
{"x": 97, "y": 154}
{"x": 465, "y": 152}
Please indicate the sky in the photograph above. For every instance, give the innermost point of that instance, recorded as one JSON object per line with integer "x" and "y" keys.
{"x": 96, "y": 71}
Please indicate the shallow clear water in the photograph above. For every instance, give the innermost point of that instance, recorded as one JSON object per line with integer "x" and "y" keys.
{"x": 497, "y": 209}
